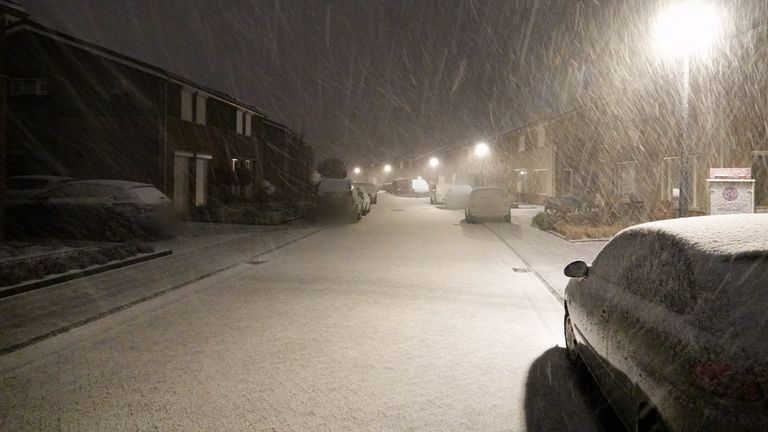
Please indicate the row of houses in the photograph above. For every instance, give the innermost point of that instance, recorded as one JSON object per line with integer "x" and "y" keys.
{"x": 78, "y": 109}
{"x": 628, "y": 145}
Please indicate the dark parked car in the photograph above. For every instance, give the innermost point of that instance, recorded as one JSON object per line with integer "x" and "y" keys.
{"x": 110, "y": 209}
{"x": 670, "y": 319}
{"x": 27, "y": 187}
{"x": 371, "y": 189}
{"x": 336, "y": 200}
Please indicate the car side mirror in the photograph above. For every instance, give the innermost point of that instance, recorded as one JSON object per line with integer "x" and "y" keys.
{"x": 577, "y": 269}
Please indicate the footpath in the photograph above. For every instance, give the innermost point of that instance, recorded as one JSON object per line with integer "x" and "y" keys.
{"x": 200, "y": 251}
{"x": 545, "y": 254}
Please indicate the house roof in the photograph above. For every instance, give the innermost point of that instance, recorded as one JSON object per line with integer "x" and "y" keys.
{"x": 40, "y": 29}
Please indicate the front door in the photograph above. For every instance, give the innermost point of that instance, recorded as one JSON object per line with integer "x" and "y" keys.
{"x": 181, "y": 189}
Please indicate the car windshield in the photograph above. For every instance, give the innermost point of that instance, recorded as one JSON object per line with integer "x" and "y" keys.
{"x": 357, "y": 215}
{"x": 149, "y": 194}
{"x": 27, "y": 183}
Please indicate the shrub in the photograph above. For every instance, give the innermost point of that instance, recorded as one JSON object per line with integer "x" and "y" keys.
{"x": 544, "y": 221}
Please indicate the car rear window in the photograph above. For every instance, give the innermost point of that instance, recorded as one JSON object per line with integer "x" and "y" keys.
{"x": 487, "y": 193}
{"x": 149, "y": 194}
{"x": 333, "y": 186}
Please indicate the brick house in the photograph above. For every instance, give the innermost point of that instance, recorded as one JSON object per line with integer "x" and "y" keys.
{"x": 82, "y": 110}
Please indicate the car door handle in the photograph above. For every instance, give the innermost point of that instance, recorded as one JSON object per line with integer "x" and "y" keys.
{"x": 603, "y": 315}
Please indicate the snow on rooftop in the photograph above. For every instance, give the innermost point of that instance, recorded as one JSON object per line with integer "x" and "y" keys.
{"x": 715, "y": 235}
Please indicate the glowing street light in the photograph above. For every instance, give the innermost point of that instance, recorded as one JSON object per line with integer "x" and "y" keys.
{"x": 682, "y": 31}
{"x": 434, "y": 162}
{"x": 387, "y": 168}
{"x": 357, "y": 170}
{"x": 685, "y": 29}
{"x": 481, "y": 151}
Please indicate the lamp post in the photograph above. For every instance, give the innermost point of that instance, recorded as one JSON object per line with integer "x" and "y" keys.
{"x": 682, "y": 31}
{"x": 481, "y": 150}
{"x": 357, "y": 170}
{"x": 387, "y": 169}
{"x": 433, "y": 163}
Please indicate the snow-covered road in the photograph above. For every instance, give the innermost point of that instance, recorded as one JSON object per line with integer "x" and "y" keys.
{"x": 408, "y": 320}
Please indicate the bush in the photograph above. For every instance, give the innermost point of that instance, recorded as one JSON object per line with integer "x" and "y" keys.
{"x": 544, "y": 221}
{"x": 592, "y": 218}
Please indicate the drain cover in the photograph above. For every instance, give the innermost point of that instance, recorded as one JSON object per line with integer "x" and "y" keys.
{"x": 256, "y": 262}
{"x": 520, "y": 270}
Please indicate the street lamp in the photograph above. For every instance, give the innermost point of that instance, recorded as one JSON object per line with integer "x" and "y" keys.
{"x": 433, "y": 163}
{"x": 684, "y": 30}
{"x": 481, "y": 150}
{"x": 387, "y": 168}
{"x": 357, "y": 170}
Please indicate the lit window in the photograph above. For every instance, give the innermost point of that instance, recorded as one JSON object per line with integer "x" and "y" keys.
{"x": 186, "y": 105}
{"x": 239, "y": 122}
{"x": 200, "y": 112}
{"x": 248, "y": 125}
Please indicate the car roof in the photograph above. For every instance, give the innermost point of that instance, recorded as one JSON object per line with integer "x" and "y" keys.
{"x": 741, "y": 234}
{"x": 40, "y": 177}
{"x": 481, "y": 189}
{"x": 109, "y": 182}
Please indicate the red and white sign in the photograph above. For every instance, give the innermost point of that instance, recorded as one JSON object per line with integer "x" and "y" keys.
{"x": 730, "y": 173}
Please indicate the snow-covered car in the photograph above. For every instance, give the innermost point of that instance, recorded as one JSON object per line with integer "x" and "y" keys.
{"x": 26, "y": 187}
{"x": 670, "y": 319}
{"x": 337, "y": 200}
{"x": 111, "y": 209}
{"x": 487, "y": 203}
{"x": 437, "y": 192}
{"x": 365, "y": 200}
{"x": 457, "y": 196}
{"x": 371, "y": 189}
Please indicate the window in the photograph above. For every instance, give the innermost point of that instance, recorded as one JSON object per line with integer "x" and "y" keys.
{"x": 248, "y": 124}
{"x": 200, "y": 112}
{"x": 186, "y": 105}
{"x": 627, "y": 178}
{"x": 239, "y": 122}
{"x": 234, "y": 164}
{"x": 120, "y": 87}
{"x": 521, "y": 144}
{"x": 28, "y": 87}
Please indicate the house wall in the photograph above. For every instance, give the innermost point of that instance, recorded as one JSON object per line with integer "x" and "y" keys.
{"x": 100, "y": 118}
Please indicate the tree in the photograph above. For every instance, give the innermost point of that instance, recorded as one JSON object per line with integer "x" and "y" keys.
{"x": 332, "y": 168}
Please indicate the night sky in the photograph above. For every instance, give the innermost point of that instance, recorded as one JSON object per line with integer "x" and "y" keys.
{"x": 364, "y": 80}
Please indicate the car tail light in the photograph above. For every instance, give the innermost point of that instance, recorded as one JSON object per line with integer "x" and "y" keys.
{"x": 726, "y": 380}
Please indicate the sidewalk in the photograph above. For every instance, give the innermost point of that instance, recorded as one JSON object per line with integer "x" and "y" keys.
{"x": 199, "y": 251}
{"x": 545, "y": 254}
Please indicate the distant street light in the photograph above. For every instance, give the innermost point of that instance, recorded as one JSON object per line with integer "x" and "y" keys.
{"x": 357, "y": 170}
{"x": 434, "y": 162}
{"x": 387, "y": 168}
{"x": 481, "y": 151}
{"x": 684, "y": 30}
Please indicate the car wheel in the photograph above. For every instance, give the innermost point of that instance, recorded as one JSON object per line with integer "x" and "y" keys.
{"x": 571, "y": 345}
{"x": 649, "y": 419}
